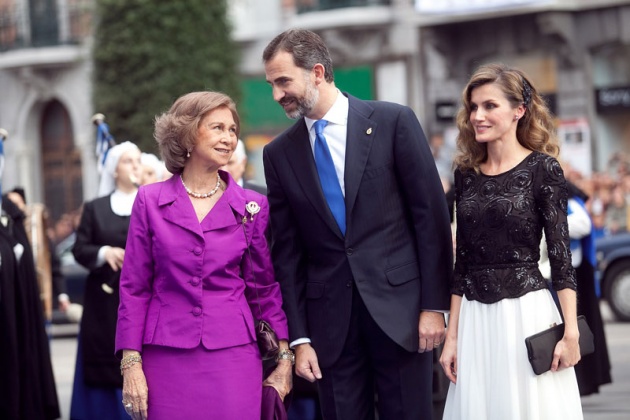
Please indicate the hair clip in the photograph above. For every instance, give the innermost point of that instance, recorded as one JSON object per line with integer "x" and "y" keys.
{"x": 527, "y": 92}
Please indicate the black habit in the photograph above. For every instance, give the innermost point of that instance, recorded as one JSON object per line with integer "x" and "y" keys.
{"x": 27, "y": 385}
{"x": 99, "y": 227}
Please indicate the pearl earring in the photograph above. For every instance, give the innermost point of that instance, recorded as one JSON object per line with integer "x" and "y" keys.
{"x": 188, "y": 153}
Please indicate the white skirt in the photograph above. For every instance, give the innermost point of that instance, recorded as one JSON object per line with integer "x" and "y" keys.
{"x": 494, "y": 378}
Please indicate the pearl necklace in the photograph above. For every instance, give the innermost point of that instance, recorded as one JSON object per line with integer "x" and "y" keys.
{"x": 198, "y": 195}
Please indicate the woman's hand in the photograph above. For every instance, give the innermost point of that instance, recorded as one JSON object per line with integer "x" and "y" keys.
{"x": 567, "y": 353}
{"x": 114, "y": 256}
{"x": 281, "y": 378}
{"x": 135, "y": 391}
{"x": 448, "y": 358}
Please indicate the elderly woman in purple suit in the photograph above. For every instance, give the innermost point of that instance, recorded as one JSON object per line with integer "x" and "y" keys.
{"x": 197, "y": 273}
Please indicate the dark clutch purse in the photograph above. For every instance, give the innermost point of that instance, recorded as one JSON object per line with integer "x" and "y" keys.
{"x": 540, "y": 346}
{"x": 266, "y": 337}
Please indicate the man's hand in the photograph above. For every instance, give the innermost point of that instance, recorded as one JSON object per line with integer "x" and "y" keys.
{"x": 432, "y": 330}
{"x": 306, "y": 365}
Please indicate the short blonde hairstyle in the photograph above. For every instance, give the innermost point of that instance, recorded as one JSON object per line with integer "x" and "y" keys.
{"x": 176, "y": 130}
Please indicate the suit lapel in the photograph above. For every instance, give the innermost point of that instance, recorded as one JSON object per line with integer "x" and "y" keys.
{"x": 299, "y": 154}
{"x": 178, "y": 209}
{"x": 176, "y": 206}
{"x": 230, "y": 208}
{"x": 360, "y": 135}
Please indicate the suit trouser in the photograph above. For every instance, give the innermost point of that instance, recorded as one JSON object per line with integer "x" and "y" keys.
{"x": 371, "y": 363}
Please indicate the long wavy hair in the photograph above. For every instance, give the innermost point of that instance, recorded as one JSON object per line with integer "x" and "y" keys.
{"x": 535, "y": 129}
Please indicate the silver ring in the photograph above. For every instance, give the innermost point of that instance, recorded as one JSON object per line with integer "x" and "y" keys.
{"x": 129, "y": 408}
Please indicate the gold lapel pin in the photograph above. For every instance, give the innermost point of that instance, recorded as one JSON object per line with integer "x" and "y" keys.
{"x": 369, "y": 131}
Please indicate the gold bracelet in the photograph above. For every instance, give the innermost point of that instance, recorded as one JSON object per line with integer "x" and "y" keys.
{"x": 286, "y": 355}
{"x": 129, "y": 361}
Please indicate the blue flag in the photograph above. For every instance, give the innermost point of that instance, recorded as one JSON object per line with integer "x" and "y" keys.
{"x": 104, "y": 140}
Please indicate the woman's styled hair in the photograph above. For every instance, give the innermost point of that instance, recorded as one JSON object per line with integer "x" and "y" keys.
{"x": 176, "y": 130}
{"x": 535, "y": 130}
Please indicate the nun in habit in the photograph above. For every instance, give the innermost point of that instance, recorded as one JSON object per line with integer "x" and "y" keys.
{"x": 27, "y": 385}
{"x": 100, "y": 247}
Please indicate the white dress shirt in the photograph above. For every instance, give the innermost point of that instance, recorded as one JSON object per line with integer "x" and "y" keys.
{"x": 336, "y": 135}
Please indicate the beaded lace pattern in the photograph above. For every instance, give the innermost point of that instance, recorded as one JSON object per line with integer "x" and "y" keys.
{"x": 500, "y": 220}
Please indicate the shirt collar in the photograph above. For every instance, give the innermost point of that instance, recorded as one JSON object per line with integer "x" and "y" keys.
{"x": 337, "y": 114}
{"x": 122, "y": 202}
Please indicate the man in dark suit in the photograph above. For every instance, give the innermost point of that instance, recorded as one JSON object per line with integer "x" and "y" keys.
{"x": 363, "y": 256}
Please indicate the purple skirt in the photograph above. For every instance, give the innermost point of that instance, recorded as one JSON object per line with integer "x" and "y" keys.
{"x": 203, "y": 384}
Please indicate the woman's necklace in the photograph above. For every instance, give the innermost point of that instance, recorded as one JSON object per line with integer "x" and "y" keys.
{"x": 198, "y": 195}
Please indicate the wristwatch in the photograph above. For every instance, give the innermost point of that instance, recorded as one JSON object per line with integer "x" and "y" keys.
{"x": 286, "y": 355}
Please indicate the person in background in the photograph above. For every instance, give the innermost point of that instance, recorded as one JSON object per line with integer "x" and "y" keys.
{"x": 100, "y": 247}
{"x": 617, "y": 212}
{"x": 200, "y": 273}
{"x": 27, "y": 384}
{"x": 237, "y": 166}
{"x": 153, "y": 169}
{"x": 361, "y": 238}
{"x": 509, "y": 187}
{"x": 49, "y": 277}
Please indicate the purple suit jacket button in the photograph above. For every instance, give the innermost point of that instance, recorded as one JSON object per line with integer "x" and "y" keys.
{"x": 195, "y": 281}
{"x": 197, "y": 250}
{"x": 196, "y": 311}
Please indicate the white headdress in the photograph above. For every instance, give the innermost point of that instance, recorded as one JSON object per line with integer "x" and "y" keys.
{"x": 151, "y": 160}
{"x": 108, "y": 182}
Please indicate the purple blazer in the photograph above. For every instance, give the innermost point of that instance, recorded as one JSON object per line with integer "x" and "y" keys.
{"x": 181, "y": 282}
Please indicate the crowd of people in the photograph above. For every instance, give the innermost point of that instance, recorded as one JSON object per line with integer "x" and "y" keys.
{"x": 347, "y": 255}
{"x": 608, "y": 193}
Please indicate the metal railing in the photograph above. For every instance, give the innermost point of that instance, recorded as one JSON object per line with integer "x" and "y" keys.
{"x": 41, "y": 23}
{"x": 303, "y": 6}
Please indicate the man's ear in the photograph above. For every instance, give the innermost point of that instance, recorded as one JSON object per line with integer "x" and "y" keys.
{"x": 319, "y": 72}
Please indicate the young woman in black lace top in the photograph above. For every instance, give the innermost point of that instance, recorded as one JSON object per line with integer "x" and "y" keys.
{"x": 509, "y": 188}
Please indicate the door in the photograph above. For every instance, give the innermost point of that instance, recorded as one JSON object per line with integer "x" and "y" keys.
{"x": 63, "y": 186}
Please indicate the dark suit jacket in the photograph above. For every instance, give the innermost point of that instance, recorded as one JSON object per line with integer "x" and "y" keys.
{"x": 397, "y": 248}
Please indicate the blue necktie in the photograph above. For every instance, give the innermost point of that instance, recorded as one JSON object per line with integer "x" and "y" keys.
{"x": 328, "y": 176}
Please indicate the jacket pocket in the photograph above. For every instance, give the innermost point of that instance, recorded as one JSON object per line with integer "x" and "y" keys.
{"x": 378, "y": 171}
{"x": 314, "y": 290}
{"x": 403, "y": 274}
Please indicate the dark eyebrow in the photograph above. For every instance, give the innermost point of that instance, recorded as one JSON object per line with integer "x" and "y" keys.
{"x": 484, "y": 102}
{"x": 279, "y": 79}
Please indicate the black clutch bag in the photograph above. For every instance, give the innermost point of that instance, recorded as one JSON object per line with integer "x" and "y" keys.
{"x": 540, "y": 346}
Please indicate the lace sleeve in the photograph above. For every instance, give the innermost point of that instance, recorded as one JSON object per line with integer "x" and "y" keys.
{"x": 552, "y": 206}
{"x": 458, "y": 285}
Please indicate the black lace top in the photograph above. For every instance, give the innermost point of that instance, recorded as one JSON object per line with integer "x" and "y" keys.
{"x": 500, "y": 220}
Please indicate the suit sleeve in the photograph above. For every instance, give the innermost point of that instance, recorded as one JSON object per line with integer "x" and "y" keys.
{"x": 286, "y": 252}
{"x": 263, "y": 292}
{"x": 425, "y": 198}
{"x": 136, "y": 279}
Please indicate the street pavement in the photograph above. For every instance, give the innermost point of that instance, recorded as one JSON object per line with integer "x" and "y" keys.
{"x": 612, "y": 403}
